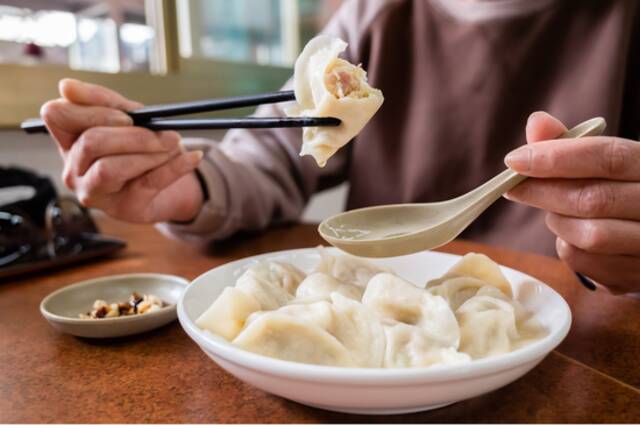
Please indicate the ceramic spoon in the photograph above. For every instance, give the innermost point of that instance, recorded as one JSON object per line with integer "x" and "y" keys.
{"x": 391, "y": 230}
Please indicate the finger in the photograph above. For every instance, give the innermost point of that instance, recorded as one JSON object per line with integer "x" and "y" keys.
{"x": 162, "y": 177}
{"x": 88, "y": 94}
{"x": 99, "y": 142}
{"x": 543, "y": 126}
{"x": 580, "y": 198}
{"x": 599, "y": 236}
{"x": 66, "y": 121}
{"x": 110, "y": 174}
{"x": 589, "y": 157}
{"x": 619, "y": 273}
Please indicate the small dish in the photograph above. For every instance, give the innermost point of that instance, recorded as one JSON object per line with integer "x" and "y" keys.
{"x": 375, "y": 391}
{"x": 62, "y": 307}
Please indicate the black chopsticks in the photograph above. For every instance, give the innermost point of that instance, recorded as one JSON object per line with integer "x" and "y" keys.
{"x": 148, "y": 116}
{"x": 209, "y": 105}
{"x": 249, "y": 122}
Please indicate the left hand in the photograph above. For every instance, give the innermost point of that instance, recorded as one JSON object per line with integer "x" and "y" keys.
{"x": 590, "y": 188}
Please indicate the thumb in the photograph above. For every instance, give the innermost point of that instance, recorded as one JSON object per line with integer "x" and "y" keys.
{"x": 543, "y": 126}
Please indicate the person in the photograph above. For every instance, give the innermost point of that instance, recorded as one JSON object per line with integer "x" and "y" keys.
{"x": 460, "y": 78}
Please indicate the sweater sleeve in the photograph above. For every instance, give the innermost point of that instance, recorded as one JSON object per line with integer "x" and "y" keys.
{"x": 256, "y": 178}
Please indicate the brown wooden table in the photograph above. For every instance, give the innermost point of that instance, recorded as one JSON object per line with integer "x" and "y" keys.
{"x": 47, "y": 376}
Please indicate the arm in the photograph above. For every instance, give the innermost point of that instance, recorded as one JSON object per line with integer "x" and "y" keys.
{"x": 137, "y": 175}
{"x": 255, "y": 178}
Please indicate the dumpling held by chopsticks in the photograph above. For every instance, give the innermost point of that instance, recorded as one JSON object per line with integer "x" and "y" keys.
{"x": 327, "y": 86}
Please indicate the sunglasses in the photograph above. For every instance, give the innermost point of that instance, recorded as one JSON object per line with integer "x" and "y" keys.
{"x": 69, "y": 234}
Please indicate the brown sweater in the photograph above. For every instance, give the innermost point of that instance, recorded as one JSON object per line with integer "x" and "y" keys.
{"x": 458, "y": 90}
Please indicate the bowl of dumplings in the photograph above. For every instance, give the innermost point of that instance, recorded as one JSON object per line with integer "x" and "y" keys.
{"x": 383, "y": 336}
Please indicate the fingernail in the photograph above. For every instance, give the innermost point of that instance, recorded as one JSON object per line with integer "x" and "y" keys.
{"x": 169, "y": 140}
{"x": 63, "y": 83}
{"x": 586, "y": 282}
{"x": 119, "y": 120}
{"x": 519, "y": 159}
{"x": 561, "y": 245}
{"x": 195, "y": 157}
{"x": 532, "y": 116}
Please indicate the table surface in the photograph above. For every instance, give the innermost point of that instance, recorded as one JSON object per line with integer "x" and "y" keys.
{"x": 47, "y": 376}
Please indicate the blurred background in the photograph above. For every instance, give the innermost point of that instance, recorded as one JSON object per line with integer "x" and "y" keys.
{"x": 154, "y": 51}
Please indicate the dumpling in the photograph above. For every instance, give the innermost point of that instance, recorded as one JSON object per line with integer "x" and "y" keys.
{"x": 494, "y": 292}
{"x": 492, "y": 323}
{"x": 352, "y": 313}
{"x": 292, "y": 338}
{"x": 319, "y": 313}
{"x": 528, "y": 327}
{"x": 396, "y": 300}
{"x": 487, "y": 326}
{"x": 346, "y": 320}
{"x": 283, "y": 275}
{"x": 228, "y": 313}
{"x": 270, "y": 297}
{"x": 359, "y": 331}
{"x": 272, "y": 283}
{"x": 391, "y": 297}
{"x": 318, "y": 286}
{"x": 327, "y": 86}
{"x": 347, "y": 268}
{"x": 410, "y": 346}
{"x": 457, "y": 290}
{"x": 481, "y": 267}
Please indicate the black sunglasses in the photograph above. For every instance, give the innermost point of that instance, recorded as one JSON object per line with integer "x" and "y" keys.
{"x": 46, "y": 231}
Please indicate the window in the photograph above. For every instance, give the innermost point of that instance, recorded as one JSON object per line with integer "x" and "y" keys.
{"x": 265, "y": 32}
{"x": 107, "y": 36}
{"x": 153, "y": 51}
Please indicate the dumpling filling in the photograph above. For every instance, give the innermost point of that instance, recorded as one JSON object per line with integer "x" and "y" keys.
{"x": 342, "y": 79}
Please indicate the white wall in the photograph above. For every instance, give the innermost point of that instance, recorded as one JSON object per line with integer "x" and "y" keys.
{"x": 38, "y": 152}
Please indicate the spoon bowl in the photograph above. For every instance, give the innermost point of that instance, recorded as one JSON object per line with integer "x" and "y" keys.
{"x": 400, "y": 229}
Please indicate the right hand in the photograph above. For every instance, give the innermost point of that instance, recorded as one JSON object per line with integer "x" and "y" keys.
{"x": 132, "y": 173}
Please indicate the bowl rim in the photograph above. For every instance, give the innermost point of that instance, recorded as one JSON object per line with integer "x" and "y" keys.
{"x": 49, "y": 315}
{"x": 535, "y": 351}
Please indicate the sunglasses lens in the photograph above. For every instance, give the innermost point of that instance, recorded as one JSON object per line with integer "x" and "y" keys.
{"x": 67, "y": 223}
{"x": 17, "y": 238}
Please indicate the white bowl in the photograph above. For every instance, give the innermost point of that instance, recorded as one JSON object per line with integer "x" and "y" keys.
{"x": 375, "y": 391}
{"x": 62, "y": 307}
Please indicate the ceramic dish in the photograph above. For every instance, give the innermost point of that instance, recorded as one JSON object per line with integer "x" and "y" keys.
{"x": 375, "y": 391}
{"x": 62, "y": 307}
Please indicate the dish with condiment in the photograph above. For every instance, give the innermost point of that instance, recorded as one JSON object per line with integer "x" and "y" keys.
{"x": 62, "y": 308}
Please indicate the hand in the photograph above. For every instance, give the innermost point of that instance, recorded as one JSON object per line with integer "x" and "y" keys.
{"x": 131, "y": 173}
{"x": 590, "y": 188}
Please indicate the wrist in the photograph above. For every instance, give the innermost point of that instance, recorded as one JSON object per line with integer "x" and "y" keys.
{"x": 190, "y": 190}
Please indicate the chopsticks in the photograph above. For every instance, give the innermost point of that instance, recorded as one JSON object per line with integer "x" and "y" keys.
{"x": 36, "y": 125}
{"x": 249, "y": 122}
{"x": 209, "y": 105}
{"x": 148, "y": 116}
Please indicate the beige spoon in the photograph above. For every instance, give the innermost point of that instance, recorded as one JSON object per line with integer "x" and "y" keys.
{"x": 392, "y": 230}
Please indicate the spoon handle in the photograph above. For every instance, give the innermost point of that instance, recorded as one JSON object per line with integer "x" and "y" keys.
{"x": 493, "y": 189}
